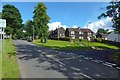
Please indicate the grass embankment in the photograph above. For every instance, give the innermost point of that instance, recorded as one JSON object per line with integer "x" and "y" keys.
{"x": 115, "y": 57}
{"x": 10, "y": 67}
{"x": 56, "y": 44}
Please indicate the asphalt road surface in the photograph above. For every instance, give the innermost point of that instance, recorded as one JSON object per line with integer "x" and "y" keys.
{"x": 41, "y": 62}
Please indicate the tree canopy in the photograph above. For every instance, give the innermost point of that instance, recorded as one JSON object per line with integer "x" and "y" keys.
{"x": 41, "y": 19}
{"x": 13, "y": 19}
{"x": 0, "y": 15}
{"x": 101, "y": 30}
{"x": 113, "y": 11}
{"x": 29, "y": 28}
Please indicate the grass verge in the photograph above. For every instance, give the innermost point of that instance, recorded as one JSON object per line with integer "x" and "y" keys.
{"x": 56, "y": 44}
{"x": 10, "y": 68}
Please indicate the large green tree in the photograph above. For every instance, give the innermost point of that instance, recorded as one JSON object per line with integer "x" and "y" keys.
{"x": 13, "y": 19}
{"x": 113, "y": 11}
{"x": 41, "y": 19}
{"x": 29, "y": 28}
{"x": 0, "y": 15}
{"x": 101, "y": 30}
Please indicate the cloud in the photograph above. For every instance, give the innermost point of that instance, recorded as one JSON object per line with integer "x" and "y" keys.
{"x": 54, "y": 25}
{"x": 94, "y": 26}
{"x": 103, "y": 23}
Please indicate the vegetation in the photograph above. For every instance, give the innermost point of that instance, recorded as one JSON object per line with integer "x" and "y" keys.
{"x": 29, "y": 28}
{"x": 101, "y": 30}
{"x": 10, "y": 67}
{"x": 84, "y": 44}
{"x": 113, "y": 11}
{"x": 114, "y": 58}
{"x": 41, "y": 19}
{"x": 0, "y": 15}
{"x": 13, "y": 19}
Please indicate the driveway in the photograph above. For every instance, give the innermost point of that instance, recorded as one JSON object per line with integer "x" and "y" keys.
{"x": 41, "y": 62}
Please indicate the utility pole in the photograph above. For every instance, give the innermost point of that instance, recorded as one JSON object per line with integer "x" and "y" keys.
{"x": 58, "y": 32}
{"x": 33, "y": 32}
{"x": 87, "y": 33}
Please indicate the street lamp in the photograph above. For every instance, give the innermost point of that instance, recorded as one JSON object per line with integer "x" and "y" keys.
{"x": 87, "y": 33}
{"x": 33, "y": 32}
{"x": 58, "y": 32}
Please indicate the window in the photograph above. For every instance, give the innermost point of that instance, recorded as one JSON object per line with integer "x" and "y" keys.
{"x": 72, "y": 32}
{"x": 80, "y": 32}
{"x": 89, "y": 33}
{"x": 60, "y": 34}
{"x": 80, "y": 37}
{"x": 73, "y": 37}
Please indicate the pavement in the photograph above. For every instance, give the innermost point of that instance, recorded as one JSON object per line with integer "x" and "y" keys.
{"x": 41, "y": 62}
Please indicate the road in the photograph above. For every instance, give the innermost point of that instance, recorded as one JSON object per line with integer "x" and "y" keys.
{"x": 40, "y": 62}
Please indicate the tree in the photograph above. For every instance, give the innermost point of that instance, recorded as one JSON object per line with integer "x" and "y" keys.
{"x": 0, "y": 15}
{"x": 29, "y": 27}
{"x": 113, "y": 11}
{"x": 20, "y": 33}
{"x": 101, "y": 30}
{"x": 41, "y": 19}
{"x": 13, "y": 19}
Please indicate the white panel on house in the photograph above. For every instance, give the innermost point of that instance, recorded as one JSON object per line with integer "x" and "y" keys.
{"x": 80, "y": 32}
{"x": 73, "y": 36}
{"x": 72, "y": 32}
{"x": 80, "y": 37}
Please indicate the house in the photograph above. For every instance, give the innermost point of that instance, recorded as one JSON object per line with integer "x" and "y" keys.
{"x": 101, "y": 35}
{"x": 78, "y": 33}
{"x": 113, "y": 37}
{"x": 58, "y": 33}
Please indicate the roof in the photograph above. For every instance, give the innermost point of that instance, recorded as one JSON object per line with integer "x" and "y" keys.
{"x": 72, "y": 29}
{"x": 85, "y": 30}
{"x": 80, "y": 29}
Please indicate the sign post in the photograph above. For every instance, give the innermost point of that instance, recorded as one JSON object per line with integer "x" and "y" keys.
{"x": 2, "y": 26}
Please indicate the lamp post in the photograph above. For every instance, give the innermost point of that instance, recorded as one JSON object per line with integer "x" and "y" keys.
{"x": 33, "y": 32}
{"x": 87, "y": 33}
{"x": 24, "y": 34}
{"x": 58, "y": 32}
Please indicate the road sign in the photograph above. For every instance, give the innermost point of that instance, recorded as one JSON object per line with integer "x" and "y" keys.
{"x": 2, "y": 23}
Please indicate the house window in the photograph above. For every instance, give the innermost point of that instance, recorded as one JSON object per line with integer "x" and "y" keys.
{"x": 89, "y": 33}
{"x": 80, "y": 37}
{"x": 73, "y": 37}
{"x": 60, "y": 34}
{"x": 72, "y": 32}
{"x": 80, "y": 32}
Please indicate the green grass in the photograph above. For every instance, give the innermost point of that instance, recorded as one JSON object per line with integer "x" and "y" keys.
{"x": 10, "y": 67}
{"x": 116, "y": 56}
{"x": 56, "y": 44}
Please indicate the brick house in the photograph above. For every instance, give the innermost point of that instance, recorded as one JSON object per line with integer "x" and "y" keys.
{"x": 78, "y": 33}
{"x": 59, "y": 32}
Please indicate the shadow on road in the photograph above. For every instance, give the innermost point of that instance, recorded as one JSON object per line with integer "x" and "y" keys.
{"x": 72, "y": 67}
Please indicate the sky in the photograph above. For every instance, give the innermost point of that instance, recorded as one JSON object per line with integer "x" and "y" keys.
{"x": 67, "y": 14}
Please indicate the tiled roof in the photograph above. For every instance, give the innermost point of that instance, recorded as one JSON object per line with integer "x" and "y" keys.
{"x": 80, "y": 29}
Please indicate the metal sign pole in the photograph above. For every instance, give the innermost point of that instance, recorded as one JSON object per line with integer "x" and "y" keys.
{"x": 1, "y": 40}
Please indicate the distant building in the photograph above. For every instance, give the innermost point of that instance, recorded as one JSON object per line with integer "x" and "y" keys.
{"x": 59, "y": 32}
{"x": 101, "y": 35}
{"x": 113, "y": 37}
{"x": 78, "y": 33}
